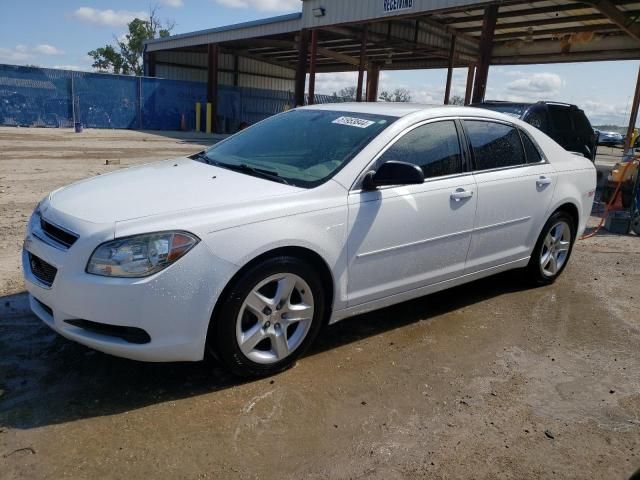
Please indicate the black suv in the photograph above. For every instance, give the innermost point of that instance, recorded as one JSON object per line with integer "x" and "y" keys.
{"x": 566, "y": 124}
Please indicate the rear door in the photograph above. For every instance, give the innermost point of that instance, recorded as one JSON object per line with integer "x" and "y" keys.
{"x": 515, "y": 187}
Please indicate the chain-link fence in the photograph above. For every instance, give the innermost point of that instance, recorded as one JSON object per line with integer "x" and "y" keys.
{"x": 45, "y": 97}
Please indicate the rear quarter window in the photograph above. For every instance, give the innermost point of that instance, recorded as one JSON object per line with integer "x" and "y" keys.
{"x": 530, "y": 149}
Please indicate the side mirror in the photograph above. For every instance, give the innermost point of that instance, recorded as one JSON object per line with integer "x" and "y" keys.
{"x": 393, "y": 173}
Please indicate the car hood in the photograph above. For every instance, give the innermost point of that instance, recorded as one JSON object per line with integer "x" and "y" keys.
{"x": 161, "y": 188}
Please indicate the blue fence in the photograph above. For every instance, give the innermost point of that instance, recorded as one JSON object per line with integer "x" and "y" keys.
{"x": 44, "y": 97}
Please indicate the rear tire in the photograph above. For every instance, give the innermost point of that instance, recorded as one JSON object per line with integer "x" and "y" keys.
{"x": 553, "y": 249}
{"x": 270, "y": 316}
{"x": 635, "y": 222}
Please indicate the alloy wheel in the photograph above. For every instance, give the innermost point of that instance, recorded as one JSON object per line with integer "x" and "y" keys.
{"x": 555, "y": 249}
{"x": 274, "y": 318}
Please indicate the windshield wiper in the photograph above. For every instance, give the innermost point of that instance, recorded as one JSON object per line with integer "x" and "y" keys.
{"x": 242, "y": 167}
{"x": 258, "y": 172}
{"x": 201, "y": 156}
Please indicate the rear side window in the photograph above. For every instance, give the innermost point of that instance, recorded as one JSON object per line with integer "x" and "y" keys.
{"x": 538, "y": 118}
{"x": 433, "y": 147}
{"x": 561, "y": 118}
{"x": 531, "y": 151}
{"x": 581, "y": 122}
{"x": 494, "y": 145}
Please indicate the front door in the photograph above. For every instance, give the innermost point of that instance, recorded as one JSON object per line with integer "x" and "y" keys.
{"x": 406, "y": 237}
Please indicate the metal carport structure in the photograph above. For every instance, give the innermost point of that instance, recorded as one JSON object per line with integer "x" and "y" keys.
{"x": 374, "y": 35}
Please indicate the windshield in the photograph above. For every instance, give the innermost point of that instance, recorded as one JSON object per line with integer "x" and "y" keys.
{"x": 301, "y": 147}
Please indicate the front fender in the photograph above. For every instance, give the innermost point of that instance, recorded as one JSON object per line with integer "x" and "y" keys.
{"x": 322, "y": 231}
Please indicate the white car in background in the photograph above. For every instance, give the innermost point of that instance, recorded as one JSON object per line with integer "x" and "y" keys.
{"x": 304, "y": 219}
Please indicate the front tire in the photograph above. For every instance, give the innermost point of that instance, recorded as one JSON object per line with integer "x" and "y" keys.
{"x": 269, "y": 317}
{"x": 553, "y": 249}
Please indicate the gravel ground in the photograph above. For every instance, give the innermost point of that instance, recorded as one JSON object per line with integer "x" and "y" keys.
{"x": 491, "y": 380}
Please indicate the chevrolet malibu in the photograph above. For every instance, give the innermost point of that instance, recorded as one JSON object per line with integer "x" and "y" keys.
{"x": 247, "y": 249}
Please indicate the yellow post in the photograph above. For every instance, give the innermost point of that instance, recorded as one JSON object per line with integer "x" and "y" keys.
{"x": 208, "y": 125}
{"x": 197, "y": 116}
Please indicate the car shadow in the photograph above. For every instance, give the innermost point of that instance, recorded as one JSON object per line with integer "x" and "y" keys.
{"x": 46, "y": 379}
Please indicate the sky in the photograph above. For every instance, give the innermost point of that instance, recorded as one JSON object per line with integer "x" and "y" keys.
{"x": 59, "y": 34}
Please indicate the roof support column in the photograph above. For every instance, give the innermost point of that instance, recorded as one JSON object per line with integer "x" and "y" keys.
{"x": 301, "y": 69}
{"x": 312, "y": 67}
{"x": 373, "y": 78}
{"x": 149, "y": 64}
{"x": 362, "y": 65}
{"x": 452, "y": 54}
{"x": 486, "y": 50}
{"x": 471, "y": 72}
{"x": 634, "y": 114}
{"x": 213, "y": 52}
{"x": 236, "y": 70}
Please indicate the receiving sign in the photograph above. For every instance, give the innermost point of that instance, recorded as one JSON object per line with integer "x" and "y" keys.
{"x": 396, "y": 5}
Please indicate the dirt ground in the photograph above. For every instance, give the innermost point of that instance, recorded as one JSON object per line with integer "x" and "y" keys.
{"x": 491, "y": 380}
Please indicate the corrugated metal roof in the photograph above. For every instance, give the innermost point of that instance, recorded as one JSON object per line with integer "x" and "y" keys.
{"x": 408, "y": 34}
{"x": 257, "y": 28}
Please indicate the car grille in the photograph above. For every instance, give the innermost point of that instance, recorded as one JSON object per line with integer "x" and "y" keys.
{"x": 63, "y": 237}
{"x": 43, "y": 271}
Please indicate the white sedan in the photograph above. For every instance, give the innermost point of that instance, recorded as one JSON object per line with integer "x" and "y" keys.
{"x": 247, "y": 249}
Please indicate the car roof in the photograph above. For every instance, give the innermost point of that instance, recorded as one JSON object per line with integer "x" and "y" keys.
{"x": 402, "y": 109}
{"x": 526, "y": 104}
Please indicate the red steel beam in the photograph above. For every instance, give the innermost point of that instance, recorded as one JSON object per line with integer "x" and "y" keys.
{"x": 301, "y": 69}
{"x": 312, "y": 67}
{"x": 452, "y": 55}
{"x": 634, "y": 114}
{"x": 212, "y": 81}
{"x": 486, "y": 50}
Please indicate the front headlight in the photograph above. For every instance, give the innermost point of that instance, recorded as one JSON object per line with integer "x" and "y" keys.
{"x": 140, "y": 255}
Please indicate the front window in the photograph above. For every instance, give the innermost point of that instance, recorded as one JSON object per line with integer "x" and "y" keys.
{"x": 301, "y": 147}
{"x": 433, "y": 147}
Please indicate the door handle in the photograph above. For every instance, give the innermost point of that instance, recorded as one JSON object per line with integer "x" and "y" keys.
{"x": 461, "y": 194}
{"x": 543, "y": 181}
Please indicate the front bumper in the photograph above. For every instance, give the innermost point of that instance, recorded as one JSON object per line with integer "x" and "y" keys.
{"x": 173, "y": 306}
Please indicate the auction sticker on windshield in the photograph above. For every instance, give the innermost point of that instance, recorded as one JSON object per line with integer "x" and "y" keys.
{"x": 353, "y": 122}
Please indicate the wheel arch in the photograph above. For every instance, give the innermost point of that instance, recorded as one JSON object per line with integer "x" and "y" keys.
{"x": 572, "y": 210}
{"x": 303, "y": 253}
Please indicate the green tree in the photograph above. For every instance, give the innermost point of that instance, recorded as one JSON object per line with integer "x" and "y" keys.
{"x": 126, "y": 55}
{"x": 456, "y": 100}
{"x": 398, "y": 95}
{"x": 347, "y": 93}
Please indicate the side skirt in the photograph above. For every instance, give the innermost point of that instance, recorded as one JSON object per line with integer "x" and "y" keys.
{"x": 422, "y": 291}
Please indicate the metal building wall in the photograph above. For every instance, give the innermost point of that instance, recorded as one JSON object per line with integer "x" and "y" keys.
{"x": 253, "y": 73}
